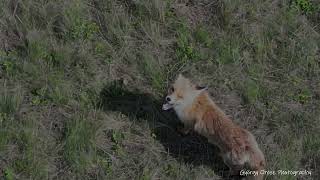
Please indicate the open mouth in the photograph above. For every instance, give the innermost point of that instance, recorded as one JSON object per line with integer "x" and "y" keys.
{"x": 167, "y": 106}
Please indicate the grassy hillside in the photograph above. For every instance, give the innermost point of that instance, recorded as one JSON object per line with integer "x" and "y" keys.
{"x": 82, "y": 83}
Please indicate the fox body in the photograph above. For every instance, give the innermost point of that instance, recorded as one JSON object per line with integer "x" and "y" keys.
{"x": 197, "y": 111}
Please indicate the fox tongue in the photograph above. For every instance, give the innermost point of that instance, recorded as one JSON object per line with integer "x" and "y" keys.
{"x": 166, "y": 106}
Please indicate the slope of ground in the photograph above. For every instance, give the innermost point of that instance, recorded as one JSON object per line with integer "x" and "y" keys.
{"x": 82, "y": 83}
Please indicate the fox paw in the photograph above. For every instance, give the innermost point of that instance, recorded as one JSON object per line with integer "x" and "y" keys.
{"x": 183, "y": 130}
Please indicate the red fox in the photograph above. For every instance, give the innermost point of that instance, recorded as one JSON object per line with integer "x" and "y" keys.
{"x": 197, "y": 111}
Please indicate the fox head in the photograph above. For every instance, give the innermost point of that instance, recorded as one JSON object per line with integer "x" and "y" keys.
{"x": 181, "y": 93}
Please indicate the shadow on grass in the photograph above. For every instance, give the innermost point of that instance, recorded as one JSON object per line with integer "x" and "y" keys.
{"x": 192, "y": 149}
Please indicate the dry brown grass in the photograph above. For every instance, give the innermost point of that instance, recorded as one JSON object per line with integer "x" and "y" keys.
{"x": 60, "y": 68}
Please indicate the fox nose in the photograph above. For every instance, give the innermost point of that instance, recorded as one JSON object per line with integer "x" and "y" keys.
{"x": 168, "y": 99}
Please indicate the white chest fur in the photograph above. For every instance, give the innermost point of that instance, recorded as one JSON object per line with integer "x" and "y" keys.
{"x": 184, "y": 106}
{"x": 183, "y": 113}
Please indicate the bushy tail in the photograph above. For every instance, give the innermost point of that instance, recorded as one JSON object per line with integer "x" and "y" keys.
{"x": 259, "y": 176}
{"x": 257, "y": 163}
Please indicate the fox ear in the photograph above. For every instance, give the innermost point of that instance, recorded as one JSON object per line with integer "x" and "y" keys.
{"x": 201, "y": 88}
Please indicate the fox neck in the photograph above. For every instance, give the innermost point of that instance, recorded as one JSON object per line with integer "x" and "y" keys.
{"x": 185, "y": 110}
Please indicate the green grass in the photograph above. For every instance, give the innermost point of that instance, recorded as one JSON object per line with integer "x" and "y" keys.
{"x": 78, "y": 149}
{"x": 82, "y": 84}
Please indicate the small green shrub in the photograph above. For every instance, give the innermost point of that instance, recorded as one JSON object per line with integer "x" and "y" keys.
{"x": 40, "y": 96}
{"x": 305, "y": 6}
{"x": 303, "y": 96}
{"x": 186, "y": 50}
{"x": 80, "y": 26}
{"x": 8, "y": 174}
{"x": 202, "y": 36}
{"x": 117, "y": 137}
{"x": 170, "y": 170}
{"x": 41, "y": 53}
{"x": 83, "y": 30}
{"x": 252, "y": 91}
{"x": 8, "y": 62}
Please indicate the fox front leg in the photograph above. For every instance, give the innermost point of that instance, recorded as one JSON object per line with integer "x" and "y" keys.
{"x": 184, "y": 130}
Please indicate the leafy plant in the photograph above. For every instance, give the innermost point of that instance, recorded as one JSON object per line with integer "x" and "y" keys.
{"x": 8, "y": 62}
{"x": 304, "y": 5}
{"x": 203, "y": 36}
{"x": 185, "y": 48}
{"x": 40, "y": 96}
{"x": 252, "y": 91}
{"x": 83, "y": 30}
{"x": 116, "y": 138}
{"x": 8, "y": 174}
{"x": 303, "y": 96}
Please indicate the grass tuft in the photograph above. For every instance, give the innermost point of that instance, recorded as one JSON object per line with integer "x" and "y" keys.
{"x": 82, "y": 85}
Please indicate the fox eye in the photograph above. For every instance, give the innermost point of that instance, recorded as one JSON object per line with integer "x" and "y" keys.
{"x": 171, "y": 90}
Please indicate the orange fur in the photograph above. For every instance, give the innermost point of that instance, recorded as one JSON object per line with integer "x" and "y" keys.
{"x": 196, "y": 110}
